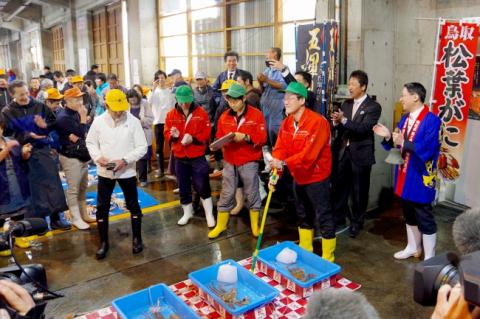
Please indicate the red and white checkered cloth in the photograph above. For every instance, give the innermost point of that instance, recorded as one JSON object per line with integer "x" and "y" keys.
{"x": 287, "y": 305}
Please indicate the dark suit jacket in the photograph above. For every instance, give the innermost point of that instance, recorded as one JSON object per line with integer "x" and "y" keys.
{"x": 358, "y": 131}
{"x": 222, "y": 77}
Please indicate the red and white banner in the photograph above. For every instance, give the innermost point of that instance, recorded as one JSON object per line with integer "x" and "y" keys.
{"x": 457, "y": 47}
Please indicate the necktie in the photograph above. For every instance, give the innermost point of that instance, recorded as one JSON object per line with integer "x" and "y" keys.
{"x": 356, "y": 104}
{"x": 230, "y": 75}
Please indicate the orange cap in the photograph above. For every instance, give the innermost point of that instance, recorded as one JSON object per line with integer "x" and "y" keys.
{"x": 53, "y": 94}
{"x": 72, "y": 93}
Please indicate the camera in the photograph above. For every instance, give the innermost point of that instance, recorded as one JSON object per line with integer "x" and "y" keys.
{"x": 268, "y": 63}
{"x": 15, "y": 274}
{"x": 110, "y": 166}
{"x": 447, "y": 268}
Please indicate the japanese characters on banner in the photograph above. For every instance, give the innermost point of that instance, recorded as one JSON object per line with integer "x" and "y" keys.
{"x": 316, "y": 53}
{"x": 457, "y": 48}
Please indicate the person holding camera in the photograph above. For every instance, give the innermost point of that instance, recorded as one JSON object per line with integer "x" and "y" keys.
{"x": 116, "y": 141}
{"x": 16, "y": 303}
{"x": 452, "y": 305}
{"x": 272, "y": 83}
{"x": 72, "y": 129}
{"x": 418, "y": 138}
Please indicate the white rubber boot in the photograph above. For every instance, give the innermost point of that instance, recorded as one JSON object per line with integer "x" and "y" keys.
{"x": 414, "y": 248}
{"x": 429, "y": 242}
{"x": 208, "y": 208}
{"x": 187, "y": 214}
{"x": 77, "y": 220}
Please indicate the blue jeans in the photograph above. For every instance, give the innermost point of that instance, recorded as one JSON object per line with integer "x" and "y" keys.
{"x": 273, "y": 111}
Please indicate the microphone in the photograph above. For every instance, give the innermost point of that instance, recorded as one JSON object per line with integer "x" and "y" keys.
{"x": 339, "y": 304}
{"x": 28, "y": 227}
{"x": 466, "y": 231}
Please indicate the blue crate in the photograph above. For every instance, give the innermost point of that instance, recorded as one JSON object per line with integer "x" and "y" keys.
{"x": 311, "y": 263}
{"x": 137, "y": 304}
{"x": 248, "y": 285}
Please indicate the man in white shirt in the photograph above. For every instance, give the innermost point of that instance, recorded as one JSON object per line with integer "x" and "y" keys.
{"x": 116, "y": 141}
{"x": 161, "y": 101}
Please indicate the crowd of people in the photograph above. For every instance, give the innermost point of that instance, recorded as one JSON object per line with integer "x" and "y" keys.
{"x": 319, "y": 163}
{"x": 270, "y": 137}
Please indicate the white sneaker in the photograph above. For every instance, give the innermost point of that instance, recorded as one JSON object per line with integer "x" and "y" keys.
{"x": 187, "y": 214}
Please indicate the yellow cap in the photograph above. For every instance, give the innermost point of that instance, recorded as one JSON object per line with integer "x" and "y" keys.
{"x": 116, "y": 100}
{"x": 53, "y": 94}
{"x": 226, "y": 84}
{"x": 76, "y": 79}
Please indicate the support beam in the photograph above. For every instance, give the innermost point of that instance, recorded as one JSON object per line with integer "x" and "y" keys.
{"x": 33, "y": 13}
{"x": 14, "y": 25}
{"x": 23, "y": 9}
{"x": 59, "y": 3}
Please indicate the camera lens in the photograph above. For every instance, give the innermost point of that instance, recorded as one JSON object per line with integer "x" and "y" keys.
{"x": 448, "y": 275}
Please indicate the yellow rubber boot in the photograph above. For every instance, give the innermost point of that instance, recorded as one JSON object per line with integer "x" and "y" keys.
{"x": 328, "y": 249}
{"x": 222, "y": 221}
{"x": 22, "y": 242}
{"x": 5, "y": 253}
{"x": 254, "y": 222}
{"x": 306, "y": 238}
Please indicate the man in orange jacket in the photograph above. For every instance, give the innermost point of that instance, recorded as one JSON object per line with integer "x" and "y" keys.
{"x": 187, "y": 127}
{"x": 240, "y": 157}
{"x": 303, "y": 145}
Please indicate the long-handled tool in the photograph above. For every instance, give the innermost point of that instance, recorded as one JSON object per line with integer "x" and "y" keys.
{"x": 262, "y": 225}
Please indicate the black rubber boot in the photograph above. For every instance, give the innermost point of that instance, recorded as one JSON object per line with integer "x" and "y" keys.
{"x": 137, "y": 244}
{"x": 102, "y": 225}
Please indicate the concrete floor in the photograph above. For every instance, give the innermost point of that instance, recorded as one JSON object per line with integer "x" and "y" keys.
{"x": 172, "y": 252}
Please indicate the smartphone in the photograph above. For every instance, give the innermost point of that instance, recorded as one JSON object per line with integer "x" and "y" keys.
{"x": 268, "y": 63}
{"x": 110, "y": 166}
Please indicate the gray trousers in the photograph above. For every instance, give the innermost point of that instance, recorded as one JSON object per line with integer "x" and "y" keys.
{"x": 76, "y": 173}
{"x": 248, "y": 174}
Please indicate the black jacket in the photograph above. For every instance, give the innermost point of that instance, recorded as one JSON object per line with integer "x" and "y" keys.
{"x": 20, "y": 122}
{"x": 358, "y": 131}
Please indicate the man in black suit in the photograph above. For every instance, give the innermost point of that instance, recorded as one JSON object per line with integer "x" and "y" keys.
{"x": 353, "y": 152}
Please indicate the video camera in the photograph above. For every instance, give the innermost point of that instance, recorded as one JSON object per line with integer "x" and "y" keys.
{"x": 31, "y": 277}
{"x": 447, "y": 268}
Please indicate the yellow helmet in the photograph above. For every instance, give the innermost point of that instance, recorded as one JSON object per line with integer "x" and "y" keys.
{"x": 227, "y": 84}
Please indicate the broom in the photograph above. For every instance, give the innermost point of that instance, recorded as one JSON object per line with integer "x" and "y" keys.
{"x": 262, "y": 225}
